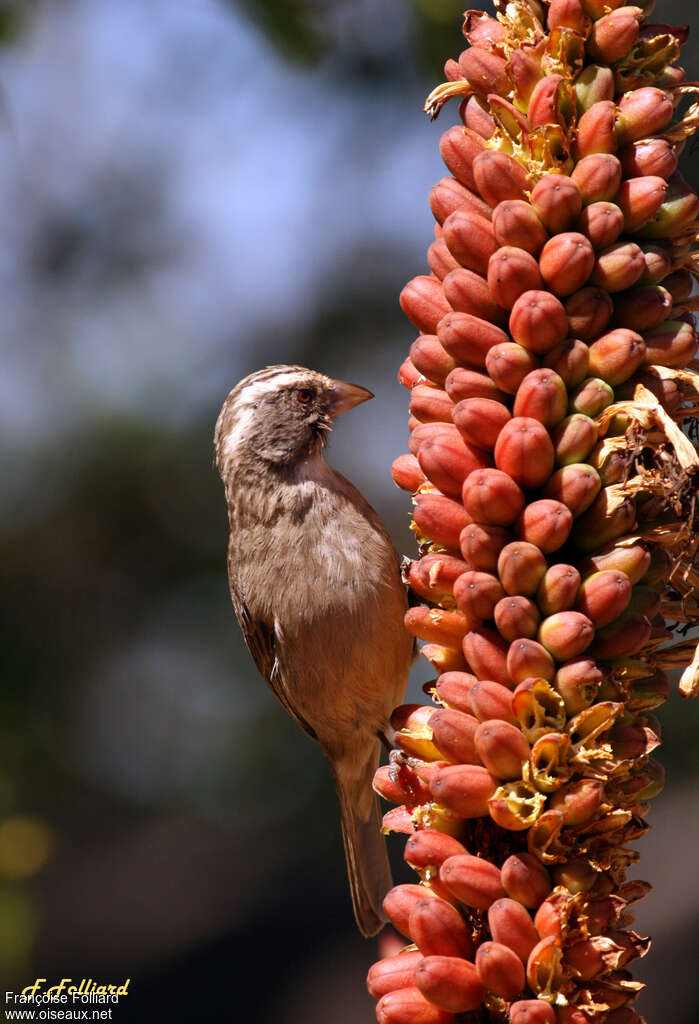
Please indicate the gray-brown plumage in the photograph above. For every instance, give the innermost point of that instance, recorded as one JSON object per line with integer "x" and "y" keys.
{"x": 316, "y": 587}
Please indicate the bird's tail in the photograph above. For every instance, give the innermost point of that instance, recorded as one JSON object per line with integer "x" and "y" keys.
{"x": 365, "y": 849}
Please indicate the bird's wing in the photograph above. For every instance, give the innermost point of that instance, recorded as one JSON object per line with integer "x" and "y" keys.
{"x": 261, "y": 640}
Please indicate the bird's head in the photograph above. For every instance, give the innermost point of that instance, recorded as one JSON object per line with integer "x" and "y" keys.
{"x": 279, "y": 415}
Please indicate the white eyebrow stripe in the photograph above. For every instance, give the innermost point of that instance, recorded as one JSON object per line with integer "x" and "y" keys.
{"x": 248, "y": 399}
{"x": 256, "y": 390}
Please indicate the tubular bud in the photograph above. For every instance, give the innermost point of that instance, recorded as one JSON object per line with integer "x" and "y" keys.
{"x": 542, "y": 396}
{"x": 499, "y": 177}
{"x": 532, "y": 1011}
{"x": 492, "y": 498}
{"x": 601, "y": 223}
{"x": 538, "y": 321}
{"x": 450, "y": 983}
{"x": 426, "y": 851}
{"x": 593, "y": 85}
{"x": 438, "y": 929}
{"x": 618, "y": 267}
{"x": 449, "y": 195}
{"x": 516, "y": 617}
{"x": 566, "y": 262}
{"x": 453, "y": 733}
{"x": 432, "y": 360}
{"x": 399, "y": 902}
{"x": 477, "y": 593}
{"x": 598, "y": 177}
{"x": 441, "y": 260}
{"x": 480, "y": 420}
{"x": 409, "y": 1006}
{"x": 392, "y": 973}
{"x": 486, "y": 653}
{"x": 463, "y": 789}
{"x": 482, "y": 544}
{"x": 467, "y": 292}
{"x": 557, "y": 201}
{"x": 521, "y": 567}
{"x": 604, "y": 596}
{"x": 569, "y": 359}
{"x": 462, "y": 384}
{"x": 500, "y": 969}
{"x": 502, "y": 749}
{"x": 626, "y": 635}
{"x": 642, "y": 112}
{"x": 485, "y": 71}
{"x": 597, "y": 129}
{"x": 423, "y": 302}
{"x": 613, "y": 35}
{"x": 452, "y": 689}
{"x": 490, "y": 700}
{"x": 472, "y": 880}
{"x": 440, "y": 519}
{"x": 470, "y": 239}
{"x": 437, "y": 625}
{"x": 558, "y": 588}
{"x": 512, "y": 925}
{"x": 527, "y": 659}
{"x": 443, "y": 658}
{"x": 516, "y": 223}
{"x": 526, "y": 880}
{"x": 524, "y": 452}
{"x": 458, "y": 148}
{"x": 574, "y": 438}
{"x": 468, "y": 338}
{"x": 511, "y": 272}
{"x": 429, "y": 404}
{"x": 576, "y": 486}
{"x": 639, "y": 199}
{"x": 591, "y": 397}
{"x": 508, "y": 364}
{"x": 643, "y": 307}
{"x": 434, "y": 575}
{"x": 406, "y": 473}
{"x": 588, "y": 312}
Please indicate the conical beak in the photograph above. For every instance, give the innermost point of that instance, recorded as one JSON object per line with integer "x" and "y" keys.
{"x": 344, "y": 396}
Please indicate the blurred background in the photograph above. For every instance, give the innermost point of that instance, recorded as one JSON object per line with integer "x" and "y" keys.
{"x": 190, "y": 191}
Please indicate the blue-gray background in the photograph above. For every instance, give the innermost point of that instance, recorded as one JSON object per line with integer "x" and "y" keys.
{"x": 188, "y": 191}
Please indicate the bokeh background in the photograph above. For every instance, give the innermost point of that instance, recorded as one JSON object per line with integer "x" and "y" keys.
{"x": 188, "y": 191}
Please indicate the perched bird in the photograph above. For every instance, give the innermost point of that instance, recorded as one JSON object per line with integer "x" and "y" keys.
{"x": 316, "y": 587}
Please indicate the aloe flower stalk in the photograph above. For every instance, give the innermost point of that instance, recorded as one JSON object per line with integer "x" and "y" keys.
{"x": 554, "y": 511}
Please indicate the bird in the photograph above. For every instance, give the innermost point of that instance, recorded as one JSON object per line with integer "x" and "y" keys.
{"x": 316, "y": 587}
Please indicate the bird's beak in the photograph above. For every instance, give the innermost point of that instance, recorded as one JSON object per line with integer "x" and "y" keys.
{"x": 344, "y": 396}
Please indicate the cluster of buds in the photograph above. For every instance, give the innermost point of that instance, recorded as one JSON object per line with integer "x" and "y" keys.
{"x": 549, "y": 384}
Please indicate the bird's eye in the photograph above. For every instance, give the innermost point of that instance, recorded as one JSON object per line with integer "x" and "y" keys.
{"x": 304, "y": 395}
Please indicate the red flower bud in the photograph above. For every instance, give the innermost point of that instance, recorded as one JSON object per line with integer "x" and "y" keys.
{"x": 500, "y": 969}
{"x": 473, "y": 880}
{"x": 394, "y": 972}
{"x": 526, "y": 879}
{"x": 449, "y": 983}
{"x": 409, "y": 1006}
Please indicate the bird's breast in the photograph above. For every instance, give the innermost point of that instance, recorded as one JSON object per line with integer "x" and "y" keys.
{"x": 314, "y": 553}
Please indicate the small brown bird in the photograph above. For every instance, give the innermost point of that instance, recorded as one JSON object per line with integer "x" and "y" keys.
{"x": 315, "y": 584}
